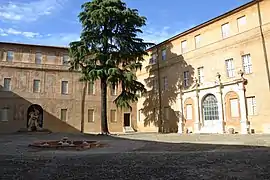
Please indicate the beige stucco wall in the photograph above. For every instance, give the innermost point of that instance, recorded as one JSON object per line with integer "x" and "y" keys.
{"x": 23, "y": 71}
{"x": 212, "y": 53}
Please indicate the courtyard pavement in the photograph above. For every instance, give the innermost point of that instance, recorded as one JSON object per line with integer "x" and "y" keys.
{"x": 148, "y": 156}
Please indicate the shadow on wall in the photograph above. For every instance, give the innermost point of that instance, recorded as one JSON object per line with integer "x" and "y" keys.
{"x": 14, "y": 114}
{"x": 165, "y": 82}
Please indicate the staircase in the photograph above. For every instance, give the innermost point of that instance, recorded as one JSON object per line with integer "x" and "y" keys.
{"x": 128, "y": 129}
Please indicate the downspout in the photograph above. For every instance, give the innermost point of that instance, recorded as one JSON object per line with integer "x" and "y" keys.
{"x": 160, "y": 128}
{"x": 263, "y": 43}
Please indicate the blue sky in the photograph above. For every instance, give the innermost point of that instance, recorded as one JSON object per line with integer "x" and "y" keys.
{"x": 55, "y": 22}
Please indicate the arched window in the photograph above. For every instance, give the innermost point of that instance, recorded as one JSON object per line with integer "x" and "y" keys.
{"x": 210, "y": 108}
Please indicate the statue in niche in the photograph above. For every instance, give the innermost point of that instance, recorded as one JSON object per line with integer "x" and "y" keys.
{"x": 33, "y": 122}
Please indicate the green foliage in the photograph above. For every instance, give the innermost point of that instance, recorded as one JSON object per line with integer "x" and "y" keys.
{"x": 109, "y": 47}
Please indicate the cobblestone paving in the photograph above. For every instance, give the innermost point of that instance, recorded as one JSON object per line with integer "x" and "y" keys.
{"x": 131, "y": 157}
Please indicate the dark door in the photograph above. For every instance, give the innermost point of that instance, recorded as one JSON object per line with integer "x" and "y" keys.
{"x": 127, "y": 119}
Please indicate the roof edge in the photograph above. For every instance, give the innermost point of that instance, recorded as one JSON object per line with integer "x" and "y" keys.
{"x": 36, "y": 45}
{"x": 206, "y": 23}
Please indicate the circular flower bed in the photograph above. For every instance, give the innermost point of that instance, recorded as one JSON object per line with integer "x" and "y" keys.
{"x": 66, "y": 144}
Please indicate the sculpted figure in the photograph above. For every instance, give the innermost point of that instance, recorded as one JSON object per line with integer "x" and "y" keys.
{"x": 33, "y": 120}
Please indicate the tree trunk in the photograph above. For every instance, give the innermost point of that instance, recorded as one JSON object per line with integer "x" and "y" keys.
{"x": 104, "y": 123}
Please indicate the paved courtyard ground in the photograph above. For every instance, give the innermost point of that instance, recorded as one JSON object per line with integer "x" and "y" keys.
{"x": 139, "y": 156}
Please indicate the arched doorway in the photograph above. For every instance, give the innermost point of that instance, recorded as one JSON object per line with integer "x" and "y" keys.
{"x": 34, "y": 117}
{"x": 210, "y": 111}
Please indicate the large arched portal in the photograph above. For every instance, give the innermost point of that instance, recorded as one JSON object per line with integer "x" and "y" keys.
{"x": 34, "y": 117}
{"x": 210, "y": 111}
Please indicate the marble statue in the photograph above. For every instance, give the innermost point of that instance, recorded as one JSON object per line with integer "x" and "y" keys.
{"x": 33, "y": 122}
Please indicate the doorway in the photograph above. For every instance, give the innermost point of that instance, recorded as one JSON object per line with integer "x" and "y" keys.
{"x": 126, "y": 119}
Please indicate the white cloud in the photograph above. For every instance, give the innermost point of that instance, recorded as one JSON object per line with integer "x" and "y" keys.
{"x": 31, "y": 11}
{"x": 157, "y": 35}
{"x": 11, "y": 31}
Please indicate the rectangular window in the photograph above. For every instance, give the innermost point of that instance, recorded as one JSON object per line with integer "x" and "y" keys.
{"x": 10, "y": 56}
{"x": 184, "y": 46}
{"x": 36, "y": 86}
{"x": 63, "y": 115}
{"x": 139, "y": 115}
{"x": 155, "y": 84}
{"x": 153, "y": 59}
{"x": 113, "y": 115}
{"x": 247, "y": 65}
{"x": 51, "y": 58}
{"x": 186, "y": 78}
{"x": 7, "y": 84}
{"x": 200, "y": 75}
{"x": 251, "y": 105}
{"x": 189, "y": 112}
{"x": 91, "y": 114}
{"x": 4, "y": 114}
{"x": 91, "y": 88}
{"x": 163, "y": 54}
{"x": 38, "y": 58}
{"x": 197, "y": 41}
{"x": 230, "y": 68}
{"x": 165, "y": 83}
{"x": 241, "y": 22}
{"x": 65, "y": 60}
{"x": 64, "y": 87}
{"x": 234, "y": 108}
{"x": 225, "y": 28}
{"x": 113, "y": 90}
{"x": 166, "y": 113}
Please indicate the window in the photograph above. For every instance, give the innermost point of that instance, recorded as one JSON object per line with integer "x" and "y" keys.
{"x": 230, "y": 68}
{"x": 186, "y": 78}
{"x": 241, "y": 22}
{"x": 164, "y": 54}
{"x": 251, "y": 106}
{"x": 65, "y": 60}
{"x": 200, "y": 75}
{"x": 155, "y": 85}
{"x": 165, "y": 83}
{"x": 38, "y": 58}
{"x": 166, "y": 113}
{"x": 153, "y": 59}
{"x": 139, "y": 115}
{"x": 113, "y": 115}
{"x": 247, "y": 65}
{"x": 36, "y": 86}
{"x": 234, "y": 108}
{"x": 197, "y": 41}
{"x": 184, "y": 46}
{"x": 51, "y": 58}
{"x": 4, "y": 114}
{"x": 189, "y": 112}
{"x": 10, "y": 56}
{"x": 7, "y": 84}
{"x": 91, "y": 88}
{"x": 91, "y": 113}
{"x": 64, "y": 87}
{"x": 210, "y": 108}
{"x": 113, "y": 90}
{"x": 225, "y": 30}
{"x": 63, "y": 115}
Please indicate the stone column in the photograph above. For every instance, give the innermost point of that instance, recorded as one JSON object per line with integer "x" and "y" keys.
{"x": 197, "y": 108}
{"x": 220, "y": 104}
{"x": 181, "y": 114}
{"x": 243, "y": 105}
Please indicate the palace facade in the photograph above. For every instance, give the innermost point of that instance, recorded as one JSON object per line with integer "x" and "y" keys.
{"x": 35, "y": 77}
{"x": 213, "y": 78}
